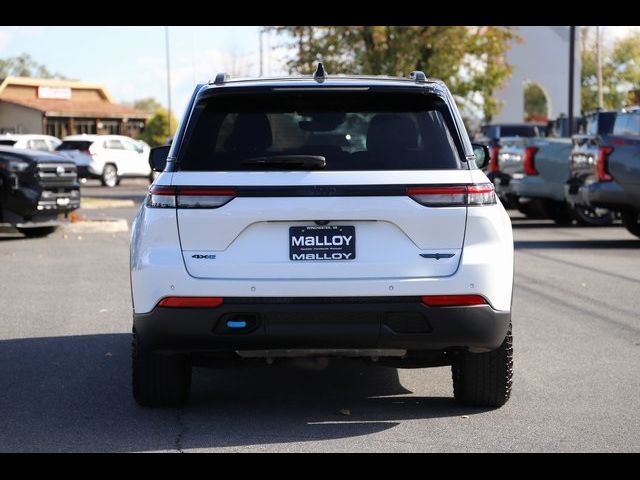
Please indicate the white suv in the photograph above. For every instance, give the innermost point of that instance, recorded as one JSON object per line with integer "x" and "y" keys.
{"x": 321, "y": 216}
{"x": 107, "y": 157}
{"x": 30, "y": 141}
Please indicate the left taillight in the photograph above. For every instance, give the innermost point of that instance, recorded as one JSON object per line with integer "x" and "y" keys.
{"x": 602, "y": 164}
{"x": 529, "y": 161}
{"x": 189, "y": 197}
{"x": 454, "y": 196}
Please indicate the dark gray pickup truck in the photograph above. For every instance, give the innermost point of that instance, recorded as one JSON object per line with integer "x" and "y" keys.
{"x": 535, "y": 172}
{"x": 36, "y": 189}
{"x": 605, "y": 172}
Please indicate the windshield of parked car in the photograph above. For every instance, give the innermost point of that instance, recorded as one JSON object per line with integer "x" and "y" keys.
{"x": 352, "y": 131}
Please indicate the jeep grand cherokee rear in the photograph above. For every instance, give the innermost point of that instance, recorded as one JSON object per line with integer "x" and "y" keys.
{"x": 317, "y": 217}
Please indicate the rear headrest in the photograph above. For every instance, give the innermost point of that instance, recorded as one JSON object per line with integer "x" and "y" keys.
{"x": 389, "y": 131}
{"x": 251, "y": 133}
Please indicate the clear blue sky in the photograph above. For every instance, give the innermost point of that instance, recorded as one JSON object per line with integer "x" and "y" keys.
{"x": 131, "y": 62}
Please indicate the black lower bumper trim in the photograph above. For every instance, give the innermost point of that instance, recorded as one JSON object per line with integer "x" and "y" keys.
{"x": 370, "y": 322}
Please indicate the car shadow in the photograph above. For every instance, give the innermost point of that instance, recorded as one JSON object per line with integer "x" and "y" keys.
{"x": 575, "y": 244}
{"x": 73, "y": 393}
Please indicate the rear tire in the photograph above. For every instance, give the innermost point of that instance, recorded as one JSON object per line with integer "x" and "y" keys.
{"x": 559, "y": 212}
{"x": 484, "y": 379}
{"x": 590, "y": 217}
{"x": 109, "y": 176}
{"x": 159, "y": 380}
{"x": 37, "y": 232}
{"x": 631, "y": 221}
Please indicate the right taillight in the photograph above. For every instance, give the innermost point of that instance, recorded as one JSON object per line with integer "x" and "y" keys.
{"x": 189, "y": 197}
{"x": 529, "y": 161}
{"x": 454, "y": 196}
{"x": 602, "y": 164}
{"x": 494, "y": 167}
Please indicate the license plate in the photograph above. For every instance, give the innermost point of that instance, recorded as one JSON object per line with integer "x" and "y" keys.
{"x": 323, "y": 242}
{"x": 62, "y": 201}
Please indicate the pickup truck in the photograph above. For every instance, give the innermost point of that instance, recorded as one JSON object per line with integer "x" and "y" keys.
{"x": 491, "y": 135}
{"x": 36, "y": 189}
{"x": 605, "y": 171}
{"x": 536, "y": 170}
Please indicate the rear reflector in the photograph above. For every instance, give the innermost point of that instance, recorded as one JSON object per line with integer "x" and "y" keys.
{"x": 454, "y": 196}
{"x": 453, "y": 300}
{"x": 186, "y": 302}
{"x": 189, "y": 197}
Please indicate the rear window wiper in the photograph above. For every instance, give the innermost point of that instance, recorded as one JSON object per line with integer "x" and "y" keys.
{"x": 288, "y": 161}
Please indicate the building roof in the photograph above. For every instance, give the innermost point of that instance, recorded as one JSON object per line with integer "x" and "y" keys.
{"x": 70, "y": 108}
{"x": 102, "y": 106}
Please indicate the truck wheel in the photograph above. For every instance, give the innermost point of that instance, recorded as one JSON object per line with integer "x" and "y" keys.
{"x": 109, "y": 176}
{"x": 37, "y": 231}
{"x": 159, "y": 380}
{"x": 592, "y": 217}
{"x": 484, "y": 379}
{"x": 631, "y": 221}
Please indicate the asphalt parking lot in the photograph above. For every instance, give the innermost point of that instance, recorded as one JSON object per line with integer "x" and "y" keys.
{"x": 65, "y": 361}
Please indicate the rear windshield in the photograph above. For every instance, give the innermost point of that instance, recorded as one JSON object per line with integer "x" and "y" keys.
{"x": 74, "y": 145}
{"x": 350, "y": 131}
{"x": 627, "y": 124}
{"x": 8, "y": 142}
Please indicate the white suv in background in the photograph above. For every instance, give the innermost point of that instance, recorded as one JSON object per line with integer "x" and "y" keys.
{"x": 30, "y": 141}
{"x": 315, "y": 216}
{"x": 107, "y": 157}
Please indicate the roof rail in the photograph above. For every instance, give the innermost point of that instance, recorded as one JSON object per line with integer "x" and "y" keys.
{"x": 320, "y": 75}
{"x": 418, "y": 76}
{"x": 220, "y": 79}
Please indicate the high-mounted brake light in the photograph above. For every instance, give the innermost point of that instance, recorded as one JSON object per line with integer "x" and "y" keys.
{"x": 454, "y": 196}
{"x": 494, "y": 167}
{"x": 528, "y": 161}
{"x": 189, "y": 197}
{"x": 453, "y": 300}
{"x": 190, "y": 302}
{"x": 602, "y": 164}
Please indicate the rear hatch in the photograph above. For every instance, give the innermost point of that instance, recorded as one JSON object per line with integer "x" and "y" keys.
{"x": 321, "y": 186}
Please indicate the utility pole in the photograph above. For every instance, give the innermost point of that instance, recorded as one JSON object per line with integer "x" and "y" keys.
{"x": 599, "y": 67}
{"x": 572, "y": 54}
{"x": 166, "y": 32}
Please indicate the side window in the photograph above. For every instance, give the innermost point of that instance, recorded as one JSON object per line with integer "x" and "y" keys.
{"x": 113, "y": 145}
{"x": 633, "y": 125}
{"x": 130, "y": 146}
{"x": 38, "y": 144}
{"x": 620, "y": 127}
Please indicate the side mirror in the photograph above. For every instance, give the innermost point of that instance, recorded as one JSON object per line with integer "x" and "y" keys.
{"x": 158, "y": 157}
{"x": 482, "y": 155}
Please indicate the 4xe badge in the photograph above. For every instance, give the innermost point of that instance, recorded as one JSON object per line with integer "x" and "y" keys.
{"x": 203, "y": 257}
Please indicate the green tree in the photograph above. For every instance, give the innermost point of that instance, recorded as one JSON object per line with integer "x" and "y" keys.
{"x": 155, "y": 132}
{"x": 620, "y": 70}
{"x": 25, "y": 66}
{"x": 471, "y": 60}
{"x": 536, "y": 107}
{"x": 149, "y": 105}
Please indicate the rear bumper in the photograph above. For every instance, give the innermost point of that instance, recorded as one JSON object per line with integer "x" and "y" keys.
{"x": 597, "y": 194}
{"x": 321, "y": 323}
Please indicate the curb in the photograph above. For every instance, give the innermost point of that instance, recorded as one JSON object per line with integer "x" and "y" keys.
{"x": 102, "y": 225}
